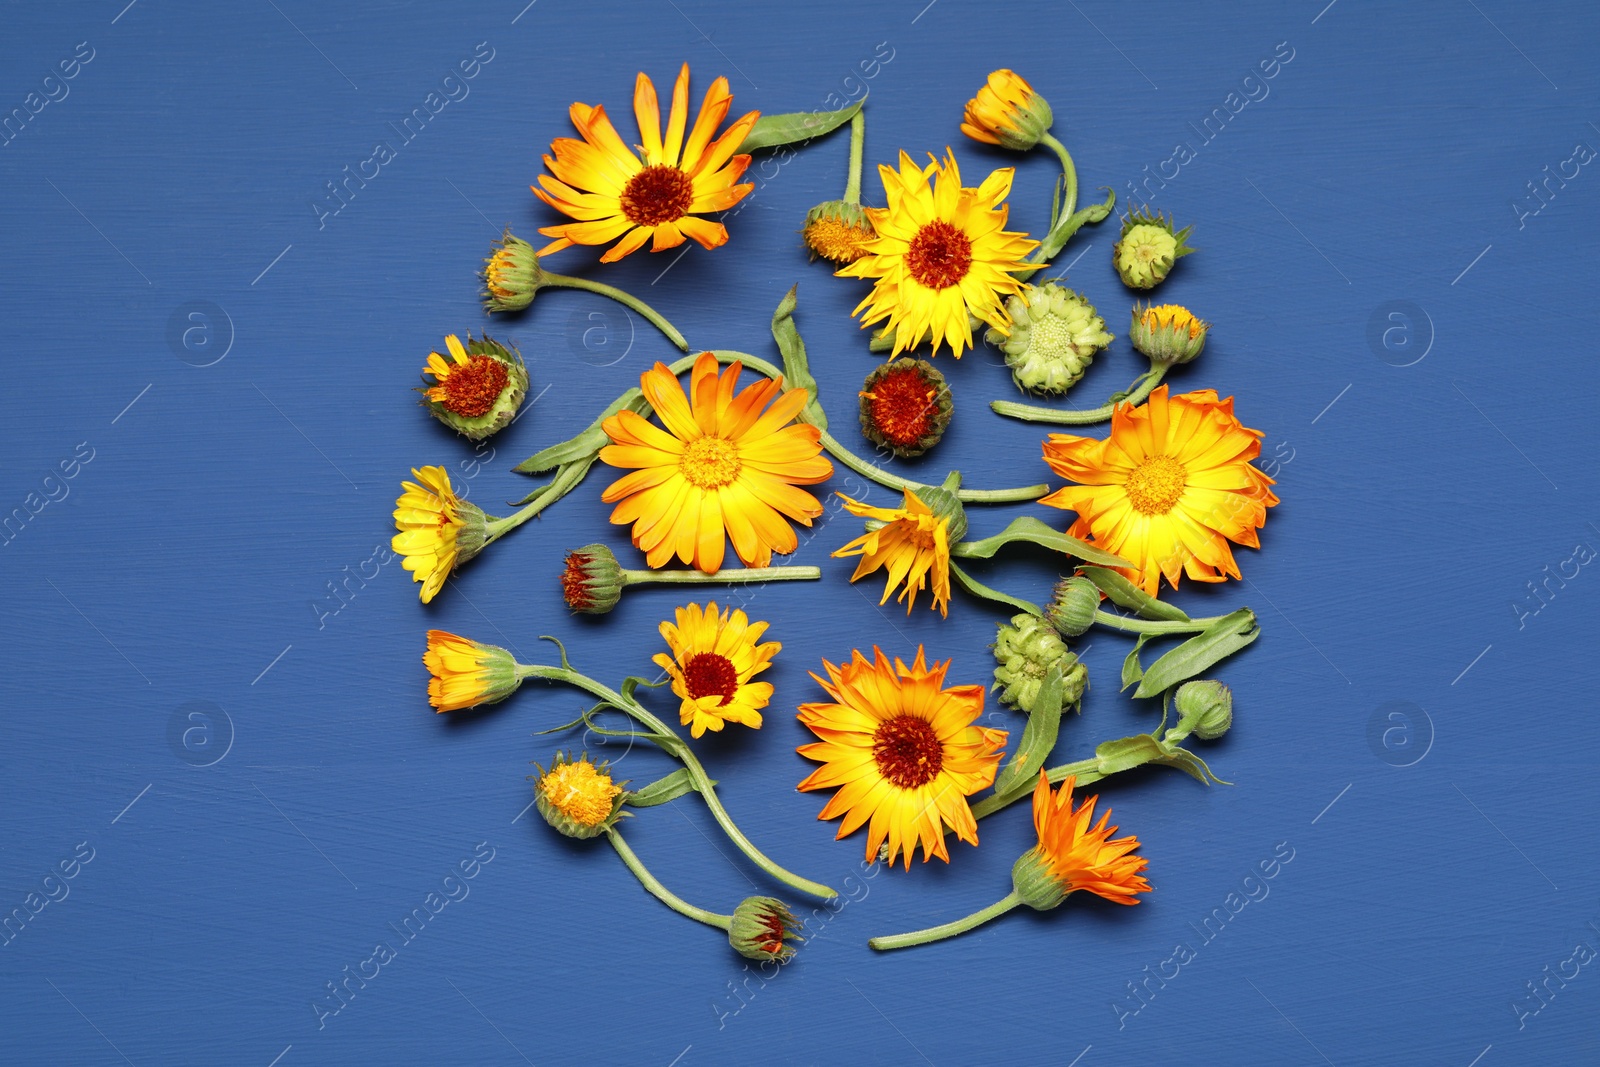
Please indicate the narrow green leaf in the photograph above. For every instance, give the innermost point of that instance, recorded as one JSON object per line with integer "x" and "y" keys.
{"x": 1038, "y": 737}
{"x": 1031, "y": 529}
{"x": 587, "y": 443}
{"x": 1185, "y": 760}
{"x": 1132, "y": 670}
{"x": 662, "y": 790}
{"x": 977, "y": 588}
{"x": 1217, "y": 642}
{"x": 1125, "y": 594}
{"x": 796, "y": 367}
{"x": 771, "y": 131}
{"x": 1126, "y": 753}
{"x": 633, "y": 682}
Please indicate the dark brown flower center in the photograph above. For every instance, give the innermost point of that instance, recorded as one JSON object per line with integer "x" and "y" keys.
{"x": 471, "y": 388}
{"x": 706, "y": 674}
{"x": 657, "y": 194}
{"x": 901, "y": 406}
{"x": 907, "y": 751}
{"x": 940, "y": 255}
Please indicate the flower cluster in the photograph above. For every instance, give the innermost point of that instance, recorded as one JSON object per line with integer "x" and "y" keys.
{"x": 721, "y": 448}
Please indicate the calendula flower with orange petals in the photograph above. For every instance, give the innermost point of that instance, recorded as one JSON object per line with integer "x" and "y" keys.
{"x": 656, "y": 194}
{"x": 725, "y": 467}
{"x": 1169, "y": 489}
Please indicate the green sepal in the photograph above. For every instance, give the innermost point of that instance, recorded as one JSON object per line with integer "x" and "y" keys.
{"x": 1031, "y": 529}
{"x": 977, "y": 588}
{"x": 771, "y": 131}
{"x": 1038, "y": 736}
{"x": 1132, "y": 670}
{"x": 796, "y": 367}
{"x": 1212, "y": 645}
{"x": 662, "y": 790}
{"x": 1125, "y": 594}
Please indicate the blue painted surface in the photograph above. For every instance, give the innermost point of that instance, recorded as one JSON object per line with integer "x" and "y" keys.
{"x": 178, "y": 571}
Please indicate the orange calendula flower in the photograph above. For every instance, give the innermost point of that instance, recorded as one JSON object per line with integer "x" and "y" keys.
{"x": 1168, "y": 490}
{"x": 903, "y": 751}
{"x": 1077, "y": 853}
{"x": 614, "y": 192}
{"x": 914, "y": 547}
{"x": 723, "y": 468}
{"x": 467, "y": 673}
{"x": 438, "y": 530}
{"x": 714, "y": 656}
{"x": 1006, "y": 111}
{"x": 941, "y": 256}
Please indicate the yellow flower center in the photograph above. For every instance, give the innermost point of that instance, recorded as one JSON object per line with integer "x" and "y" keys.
{"x": 1156, "y": 485}
{"x": 1174, "y": 317}
{"x": 657, "y": 194}
{"x": 1052, "y": 338}
{"x": 500, "y": 264}
{"x": 907, "y": 751}
{"x": 940, "y": 255}
{"x": 579, "y": 791}
{"x": 837, "y": 240}
{"x": 710, "y": 463}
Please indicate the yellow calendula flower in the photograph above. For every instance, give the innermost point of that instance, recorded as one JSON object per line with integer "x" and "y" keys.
{"x": 1006, "y": 111}
{"x": 614, "y": 192}
{"x": 1168, "y": 490}
{"x": 714, "y": 657}
{"x": 467, "y": 673}
{"x": 903, "y": 751}
{"x": 438, "y": 530}
{"x": 576, "y": 797}
{"x": 478, "y": 387}
{"x": 913, "y": 547}
{"x": 721, "y": 469}
{"x": 941, "y": 256}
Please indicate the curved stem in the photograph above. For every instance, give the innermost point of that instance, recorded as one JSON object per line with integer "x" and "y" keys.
{"x": 852, "y": 186}
{"x": 737, "y": 574}
{"x": 894, "y": 481}
{"x": 951, "y": 929}
{"x": 678, "y": 748}
{"x": 1138, "y": 392}
{"x": 1069, "y": 172}
{"x": 661, "y": 892}
{"x": 1131, "y": 625}
{"x": 566, "y": 281}
{"x": 568, "y": 477}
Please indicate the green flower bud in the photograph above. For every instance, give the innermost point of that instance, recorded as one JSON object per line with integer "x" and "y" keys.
{"x": 1031, "y": 877}
{"x": 1024, "y": 651}
{"x": 592, "y": 581}
{"x": 578, "y": 798}
{"x": 762, "y": 928}
{"x": 1054, "y": 336}
{"x": 1167, "y": 333}
{"x": 1071, "y": 609}
{"x": 1147, "y": 249}
{"x": 511, "y": 275}
{"x": 478, "y": 388}
{"x": 474, "y": 531}
{"x": 1205, "y": 708}
{"x": 905, "y": 406}
{"x": 837, "y": 231}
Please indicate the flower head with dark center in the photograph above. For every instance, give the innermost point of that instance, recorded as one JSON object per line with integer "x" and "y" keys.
{"x": 715, "y": 655}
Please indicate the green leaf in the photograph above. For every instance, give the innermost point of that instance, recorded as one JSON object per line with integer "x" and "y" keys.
{"x": 586, "y": 444}
{"x": 1126, "y": 753}
{"x": 1062, "y": 230}
{"x": 1031, "y": 529}
{"x": 1038, "y": 737}
{"x": 1212, "y": 645}
{"x": 662, "y": 790}
{"x": 796, "y": 367}
{"x": 770, "y": 131}
{"x": 632, "y": 682}
{"x": 1185, "y": 760}
{"x": 977, "y": 588}
{"x": 1132, "y": 670}
{"x": 1125, "y": 594}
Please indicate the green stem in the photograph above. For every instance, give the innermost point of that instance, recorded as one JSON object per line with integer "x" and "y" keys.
{"x": 677, "y": 747}
{"x": 738, "y": 574}
{"x": 1131, "y": 625}
{"x": 1069, "y": 171}
{"x": 951, "y": 929}
{"x": 894, "y": 481}
{"x": 1087, "y": 771}
{"x": 852, "y": 186}
{"x": 661, "y": 892}
{"x": 566, "y": 281}
{"x": 1138, "y": 392}
{"x": 568, "y": 477}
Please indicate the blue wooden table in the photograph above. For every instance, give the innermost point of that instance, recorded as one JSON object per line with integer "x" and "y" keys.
{"x": 235, "y": 233}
